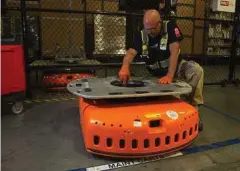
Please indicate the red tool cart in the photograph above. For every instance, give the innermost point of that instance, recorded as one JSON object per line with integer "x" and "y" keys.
{"x": 13, "y": 81}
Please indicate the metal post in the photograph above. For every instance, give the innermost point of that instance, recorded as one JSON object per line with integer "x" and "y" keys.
{"x": 25, "y": 46}
{"x": 3, "y": 7}
{"x": 194, "y": 25}
{"x": 40, "y": 52}
{"x": 84, "y": 2}
{"x": 232, "y": 62}
{"x": 129, "y": 29}
{"x": 167, "y": 10}
{"x": 205, "y": 34}
{"x": 102, "y": 5}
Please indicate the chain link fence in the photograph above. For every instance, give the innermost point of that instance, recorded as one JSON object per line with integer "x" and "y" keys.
{"x": 192, "y": 29}
{"x": 62, "y": 36}
{"x": 62, "y": 45}
{"x": 109, "y": 35}
{"x": 12, "y": 32}
{"x": 207, "y": 36}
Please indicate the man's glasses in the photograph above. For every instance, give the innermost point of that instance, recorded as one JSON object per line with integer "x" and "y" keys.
{"x": 154, "y": 27}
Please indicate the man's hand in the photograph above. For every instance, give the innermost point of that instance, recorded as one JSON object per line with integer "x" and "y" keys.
{"x": 124, "y": 74}
{"x": 166, "y": 80}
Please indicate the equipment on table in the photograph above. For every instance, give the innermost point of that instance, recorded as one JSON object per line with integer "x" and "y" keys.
{"x": 141, "y": 119}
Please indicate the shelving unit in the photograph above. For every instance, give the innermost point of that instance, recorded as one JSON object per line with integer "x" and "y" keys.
{"x": 237, "y": 60}
{"x": 218, "y": 40}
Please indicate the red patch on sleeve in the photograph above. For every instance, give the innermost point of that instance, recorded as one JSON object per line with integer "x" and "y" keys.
{"x": 177, "y": 32}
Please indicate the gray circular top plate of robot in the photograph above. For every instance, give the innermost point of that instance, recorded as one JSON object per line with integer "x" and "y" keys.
{"x": 111, "y": 87}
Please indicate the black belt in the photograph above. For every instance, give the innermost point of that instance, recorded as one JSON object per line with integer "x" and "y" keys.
{"x": 159, "y": 64}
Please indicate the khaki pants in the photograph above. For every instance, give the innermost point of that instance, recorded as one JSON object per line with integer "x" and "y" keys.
{"x": 192, "y": 73}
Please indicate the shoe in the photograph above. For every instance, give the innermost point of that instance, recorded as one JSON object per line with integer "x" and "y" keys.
{"x": 200, "y": 124}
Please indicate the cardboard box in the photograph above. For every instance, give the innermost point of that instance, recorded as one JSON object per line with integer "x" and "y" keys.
{"x": 224, "y": 5}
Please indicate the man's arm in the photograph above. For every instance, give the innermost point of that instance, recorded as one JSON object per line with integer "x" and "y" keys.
{"x": 128, "y": 58}
{"x": 174, "y": 39}
{"x": 174, "y": 53}
{"x": 124, "y": 73}
{"x": 133, "y": 51}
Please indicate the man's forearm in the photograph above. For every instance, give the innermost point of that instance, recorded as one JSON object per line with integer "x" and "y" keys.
{"x": 174, "y": 51}
{"x": 172, "y": 64}
{"x": 128, "y": 58}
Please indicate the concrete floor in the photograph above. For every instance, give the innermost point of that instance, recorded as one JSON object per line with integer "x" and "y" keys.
{"x": 47, "y": 137}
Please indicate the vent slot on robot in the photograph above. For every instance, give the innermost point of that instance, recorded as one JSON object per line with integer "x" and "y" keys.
{"x": 146, "y": 143}
{"x": 184, "y": 135}
{"x": 176, "y": 138}
{"x": 190, "y": 131}
{"x": 196, "y": 126}
{"x": 122, "y": 143}
{"x": 96, "y": 140}
{"x": 154, "y": 123}
{"x": 109, "y": 142}
{"x": 134, "y": 143}
{"x": 167, "y": 140}
{"x": 157, "y": 142}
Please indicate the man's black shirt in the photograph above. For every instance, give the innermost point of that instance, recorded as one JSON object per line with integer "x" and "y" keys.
{"x": 155, "y": 54}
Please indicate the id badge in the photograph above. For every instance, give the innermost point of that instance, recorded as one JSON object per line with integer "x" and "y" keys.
{"x": 163, "y": 45}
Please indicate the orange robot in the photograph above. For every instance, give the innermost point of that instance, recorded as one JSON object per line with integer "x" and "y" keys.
{"x": 142, "y": 119}
{"x": 59, "y": 81}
